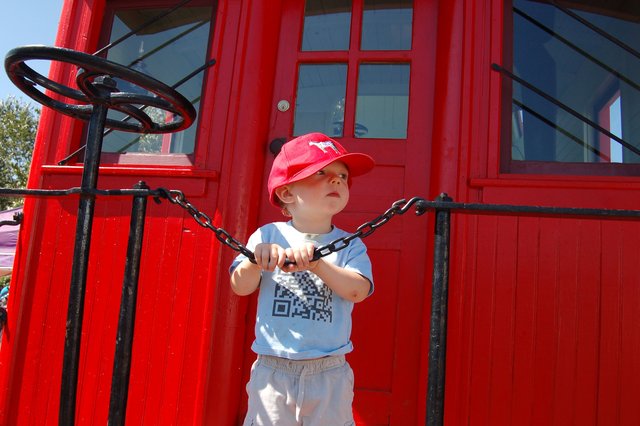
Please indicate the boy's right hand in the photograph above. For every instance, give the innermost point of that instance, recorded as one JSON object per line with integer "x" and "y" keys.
{"x": 269, "y": 256}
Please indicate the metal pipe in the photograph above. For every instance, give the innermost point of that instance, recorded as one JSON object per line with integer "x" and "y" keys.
{"x": 438, "y": 330}
{"x": 21, "y": 192}
{"x": 126, "y": 321}
{"x": 86, "y": 207}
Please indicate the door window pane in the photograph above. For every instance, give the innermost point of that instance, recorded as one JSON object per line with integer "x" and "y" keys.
{"x": 386, "y": 25}
{"x": 585, "y": 60}
{"x": 383, "y": 101}
{"x": 320, "y": 99}
{"x": 327, "y": 25}
{"x": 167, "y": 50}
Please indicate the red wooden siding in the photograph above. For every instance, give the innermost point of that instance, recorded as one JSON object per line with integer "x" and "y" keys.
{"x": 542, "y": 331}
{"x": 174, "y": 296}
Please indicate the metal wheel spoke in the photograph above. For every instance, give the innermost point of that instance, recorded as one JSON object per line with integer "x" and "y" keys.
{"x": 34, "y": 77}
{"x": 96, "y": 81}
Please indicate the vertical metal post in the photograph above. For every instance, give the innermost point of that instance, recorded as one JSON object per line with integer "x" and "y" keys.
{"x": 126, "y": 321}
{"x": 68, "y": 388}
{"x": 438, "y": 331}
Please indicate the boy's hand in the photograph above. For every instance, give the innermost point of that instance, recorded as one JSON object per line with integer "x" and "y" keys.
{"x": 302, "y": 256}
{"x": 269, "y": 255}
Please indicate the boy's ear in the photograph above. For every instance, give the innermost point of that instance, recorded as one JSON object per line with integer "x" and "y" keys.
{"x": 285, "y": 195}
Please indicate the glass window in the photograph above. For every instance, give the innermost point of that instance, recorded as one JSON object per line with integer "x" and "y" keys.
{"x": 168, "y": 50}
{"x": 378, "y": 101}
{"x": 576, "y": 91}
{"x": 386, "y": 25}
{"x": 327, "y": 25}
{"x": 383, "y": 101}
{"x": 320, "y": 99}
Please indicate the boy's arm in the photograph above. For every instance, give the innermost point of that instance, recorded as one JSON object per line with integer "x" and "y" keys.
{"x": 345, "y": 283}
{"x": 245, "y": 278}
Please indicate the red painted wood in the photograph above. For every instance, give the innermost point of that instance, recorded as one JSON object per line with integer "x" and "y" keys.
{"x": 564, "y": 310}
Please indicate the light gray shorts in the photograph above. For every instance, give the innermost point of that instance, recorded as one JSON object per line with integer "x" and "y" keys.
{"x": 317, "y": 392}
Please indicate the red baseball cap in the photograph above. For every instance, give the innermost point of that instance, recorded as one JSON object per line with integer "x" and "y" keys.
{"x": 303, "y": 156}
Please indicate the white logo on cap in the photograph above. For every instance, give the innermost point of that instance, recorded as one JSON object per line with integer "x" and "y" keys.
{"x": 324, "y": 145}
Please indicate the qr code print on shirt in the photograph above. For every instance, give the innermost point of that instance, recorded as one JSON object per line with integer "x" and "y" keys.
{"x": 303, "y": 295}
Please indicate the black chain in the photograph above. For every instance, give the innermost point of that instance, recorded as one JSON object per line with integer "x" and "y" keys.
{"x": 398, "y": 208}
{"x": 177, "y": 197}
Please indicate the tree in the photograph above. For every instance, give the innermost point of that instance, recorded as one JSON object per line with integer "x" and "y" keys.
{"x": 18, "y": 125}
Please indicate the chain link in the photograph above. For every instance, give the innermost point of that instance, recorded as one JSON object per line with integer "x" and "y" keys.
{"x": 398, "y": 208}
{"x": 177, "y": 197}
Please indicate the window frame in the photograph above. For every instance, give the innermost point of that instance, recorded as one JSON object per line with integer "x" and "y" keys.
{"x": 353, "y": 57}
{"x": 509, "y": 166}
{"x": 152, "y": 158}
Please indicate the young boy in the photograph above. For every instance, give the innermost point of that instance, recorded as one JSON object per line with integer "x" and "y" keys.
{"x": 303, "y": 321}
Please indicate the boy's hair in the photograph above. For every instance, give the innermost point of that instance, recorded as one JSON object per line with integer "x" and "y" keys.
{"x": 303, "y": 156}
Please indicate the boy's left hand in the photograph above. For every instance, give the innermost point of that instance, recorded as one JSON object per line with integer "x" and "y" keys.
{"x": 302, "y": 256}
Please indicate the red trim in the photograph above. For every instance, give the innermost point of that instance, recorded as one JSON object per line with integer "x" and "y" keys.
{"x": 250, "y": 50}
{"x": 604, "y": 119}
{"x": 131, "y": 171}
{"x": 577, "y": 169}
{"x": 604, "y": 143}
{"x": 506, "y": 88}
{"x": 558, "y": 181}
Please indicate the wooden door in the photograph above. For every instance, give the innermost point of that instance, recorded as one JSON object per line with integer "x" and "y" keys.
{"x": 364, "y": 75}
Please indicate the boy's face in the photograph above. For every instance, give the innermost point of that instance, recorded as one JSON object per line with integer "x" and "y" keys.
{"x": 324, "y": 193}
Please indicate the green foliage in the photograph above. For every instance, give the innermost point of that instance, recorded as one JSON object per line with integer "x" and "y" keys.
{"x": 18, "y": 125}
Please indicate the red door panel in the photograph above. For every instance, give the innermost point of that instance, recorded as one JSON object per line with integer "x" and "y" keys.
{"x": 388, "y": 326}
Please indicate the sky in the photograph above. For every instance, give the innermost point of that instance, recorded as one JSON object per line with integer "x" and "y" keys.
{"x": 25, "y": 22}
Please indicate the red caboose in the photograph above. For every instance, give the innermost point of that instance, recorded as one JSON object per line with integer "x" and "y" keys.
{"x": 509, "y": 102}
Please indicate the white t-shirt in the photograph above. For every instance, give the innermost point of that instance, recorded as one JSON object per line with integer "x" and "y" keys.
{"x": 298, "y": 316}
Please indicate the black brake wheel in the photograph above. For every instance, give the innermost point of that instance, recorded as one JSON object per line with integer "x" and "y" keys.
{"x": 94, "y": 75}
